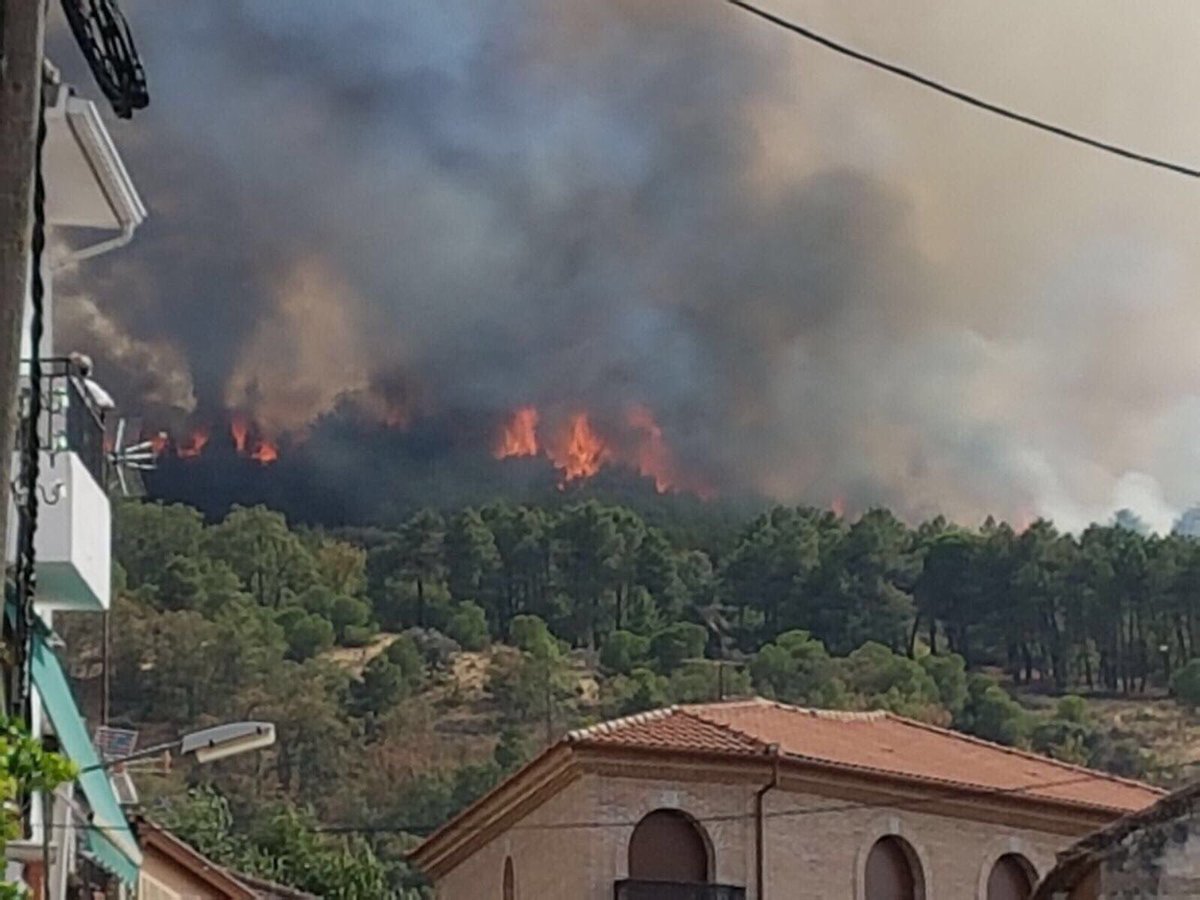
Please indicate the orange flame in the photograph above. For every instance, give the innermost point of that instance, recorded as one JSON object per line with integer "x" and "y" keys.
{"x": 239, "y": 431}
{"x": 195, "y": 444}
{"x": 581, "y": 452}
{"x": 265, "y": 452}
{"x": 250, "y": 444}
{"x": 652, "y": 455}
{"x": 654, "y": 458}
{"x": 838, "y": 506}
{"x": 519, "y": 437}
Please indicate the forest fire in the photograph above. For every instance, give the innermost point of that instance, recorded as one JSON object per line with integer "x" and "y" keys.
{"x": 239, "y": 431}
{"x": 519, "y": 436}
{"x": 264, "y": 452}
{"x": 579, "y": 450}
{"x": 243, "y": 438}
{"x": 249, "y": 443}
{"x": 194, "y": 445}
{"x": 654, "y": 457}
{"x": 564, "y": 449}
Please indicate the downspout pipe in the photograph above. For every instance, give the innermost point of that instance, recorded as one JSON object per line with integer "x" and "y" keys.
{"x": 760, "y": 825}
{"x": 76, "y": 256}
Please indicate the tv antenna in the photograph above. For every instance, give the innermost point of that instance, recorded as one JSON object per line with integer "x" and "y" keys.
{"x": 129, "y": 461}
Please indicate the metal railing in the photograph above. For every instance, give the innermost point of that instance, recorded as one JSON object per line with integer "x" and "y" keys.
{"x": 674, "y": 890}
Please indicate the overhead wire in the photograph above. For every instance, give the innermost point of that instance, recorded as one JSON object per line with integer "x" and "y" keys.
{"x": 962, "y": 96}
{"x": 945, "y": 793}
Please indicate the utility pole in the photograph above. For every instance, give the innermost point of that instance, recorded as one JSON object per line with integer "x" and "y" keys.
{"x": 22, "y": 41}
{"x": 549, "y": 707}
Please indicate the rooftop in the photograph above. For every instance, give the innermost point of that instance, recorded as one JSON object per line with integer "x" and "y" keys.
{"x": 869, "y": 742}
{"x": 896, "y": 757}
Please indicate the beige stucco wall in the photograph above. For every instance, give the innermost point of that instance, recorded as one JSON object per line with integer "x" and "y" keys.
{"x": 175, "y": 878}
{"x": 559, "y": 852}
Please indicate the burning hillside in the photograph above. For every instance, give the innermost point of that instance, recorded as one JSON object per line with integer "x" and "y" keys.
{"x": 240, "y": 435}
{"x": 579, "y": 451}
{"x": 352, "y": 461}
{"x": 516, "y": 236}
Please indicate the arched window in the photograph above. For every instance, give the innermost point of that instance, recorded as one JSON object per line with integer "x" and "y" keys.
{"x": 510, "y": 880}
{"x": 893, "y": 872}
{"x": 668, "y": 846}
{"x": 1012, "y": 878}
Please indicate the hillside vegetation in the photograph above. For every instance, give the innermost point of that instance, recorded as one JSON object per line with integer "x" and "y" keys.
{"x": 408, "y": 670}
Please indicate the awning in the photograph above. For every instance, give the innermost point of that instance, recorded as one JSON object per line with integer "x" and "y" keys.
{"x": 109, "y": 838}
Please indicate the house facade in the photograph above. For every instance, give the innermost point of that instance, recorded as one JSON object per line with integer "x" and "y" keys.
{"x": 174, "y": 870}
{"x": 1152, "y": 853}
{"x": 78, "y": 843}
{"x": 750, "y": 800}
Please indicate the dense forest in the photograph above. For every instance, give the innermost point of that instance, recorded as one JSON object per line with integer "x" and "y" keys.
{"x": 408, "y": 669}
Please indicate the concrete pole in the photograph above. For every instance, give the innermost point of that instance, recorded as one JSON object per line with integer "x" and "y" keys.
{"x": 22, "y": 42}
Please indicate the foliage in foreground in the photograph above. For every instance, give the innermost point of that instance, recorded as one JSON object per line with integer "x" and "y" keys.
{"x": 352, "y": 642}
{"x": 25, "y": 767}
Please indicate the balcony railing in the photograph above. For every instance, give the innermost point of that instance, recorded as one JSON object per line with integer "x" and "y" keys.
{"x": 72, "y": 421}
{"x": 673, "y": 890}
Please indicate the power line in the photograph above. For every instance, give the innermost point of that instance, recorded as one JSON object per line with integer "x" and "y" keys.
{"x": 962, "y": 96}
{"x": 948, "y": 793}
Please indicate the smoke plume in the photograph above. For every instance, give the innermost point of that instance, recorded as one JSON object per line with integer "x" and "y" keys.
{"x": 825, "y": 285}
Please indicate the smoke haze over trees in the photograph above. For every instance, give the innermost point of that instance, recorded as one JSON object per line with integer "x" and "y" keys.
{"x": 822, "y": 283}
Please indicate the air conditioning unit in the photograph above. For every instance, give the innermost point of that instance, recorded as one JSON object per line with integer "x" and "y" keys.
{"x": 124, "y": 788}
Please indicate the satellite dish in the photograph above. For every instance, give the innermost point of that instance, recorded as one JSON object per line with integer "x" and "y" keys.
{"x": 129, "y": 460}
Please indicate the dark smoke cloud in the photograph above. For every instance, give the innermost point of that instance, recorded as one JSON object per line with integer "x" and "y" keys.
{"x": 455, "y": 208}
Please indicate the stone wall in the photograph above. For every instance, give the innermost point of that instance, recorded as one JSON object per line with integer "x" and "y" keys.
{"x": 1160, "y": 860}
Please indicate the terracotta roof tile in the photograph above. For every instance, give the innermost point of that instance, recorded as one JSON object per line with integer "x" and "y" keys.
{"x": 877, "y": 742}
{"x": 669, "y": 729}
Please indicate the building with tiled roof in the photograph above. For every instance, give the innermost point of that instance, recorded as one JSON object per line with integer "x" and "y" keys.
{"x": 174, "y": 870}
{"x": 1149, "y": 853}
{"x": 752, "y": 799}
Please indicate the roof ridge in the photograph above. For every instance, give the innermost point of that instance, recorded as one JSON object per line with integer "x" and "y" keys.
{"x": 611, "y": 725}
{"x": 730, "y": 702}
{"x": 839, "y": 715}
{"x": 1023, "y": 754}
{"x": 842, "y": 715}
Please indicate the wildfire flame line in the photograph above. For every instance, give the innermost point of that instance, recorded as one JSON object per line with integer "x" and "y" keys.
{"x": 246, "y": 442}
{"x": 519, "y": 436}
{"x": 579, "y": 451}
{"x": 575, "y": 446}
{"x": 582, "y": 453}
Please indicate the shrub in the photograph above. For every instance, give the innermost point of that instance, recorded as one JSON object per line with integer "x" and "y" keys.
{"x": 468, "y": 625}
{"x": 1185, "y": 685}
{"x": 307, "y": 635}
{"x": 624, "y": 651}
{"x": 676, "y": 643}
{"x": 435, "y": 648}
{"x": 358, "y": 635}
